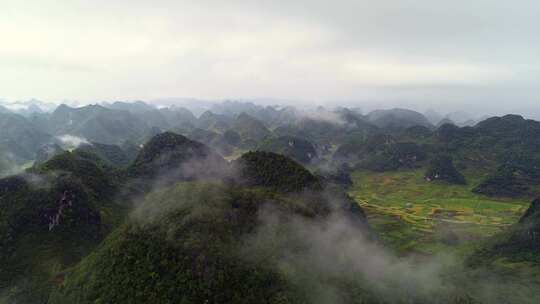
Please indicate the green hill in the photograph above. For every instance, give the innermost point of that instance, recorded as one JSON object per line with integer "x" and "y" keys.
{"x": 441, "y": 168}
{"x": 275, "y": 171}
{"x": 526, "y": 236}
{"x": 179, "y": 117}
{"x": 296, "y": 148}
{"x": 144, "y": 112}
{"x": 19, "y": 139}
{"x": 214, "y": 122}
{"x": 85, "y": 167}
{"x": 98, "y": 124}
{"x": 184, "y": 247}
{"x": 398, "y": 118}
{"x": 175, "y": 156}
{"x": 518, "y": 243}
{"x": 49, "y": 220}
{"x": 193, "y": 242}
{"x": 112, "y": 154}
{"x": 251, "y": 130}
{"x": 381, "y": 153}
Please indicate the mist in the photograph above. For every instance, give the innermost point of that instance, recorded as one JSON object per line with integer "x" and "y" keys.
{"x": 8, "y": 166}
{"x": 331, "y": 260}
{"x": 311, "y": 151}
{"x": 337, "y": 261}
{"x": 334, "y": 261}
{"x": 72, "y": 141}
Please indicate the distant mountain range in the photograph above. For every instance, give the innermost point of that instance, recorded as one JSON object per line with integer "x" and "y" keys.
{"x": 38, "y": 124}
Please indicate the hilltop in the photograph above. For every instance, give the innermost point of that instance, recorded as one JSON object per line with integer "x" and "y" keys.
{"x": 209, "y": 223}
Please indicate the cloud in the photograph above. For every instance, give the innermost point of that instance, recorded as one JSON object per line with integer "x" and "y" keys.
{"x": 335, "y": 261}
{"x": 387, "y": 51}
{"x": 8, "y": 164}
{"x": 72, "y": 140}
{"x": 324, "y": 115}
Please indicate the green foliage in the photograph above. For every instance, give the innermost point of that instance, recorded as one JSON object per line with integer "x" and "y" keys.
{"x": 50, "y": 219}
{"x": 275, "y": 171}
{"x": 450, "y": 133}
{"x": 357, "y": 146}
{"x": 521, "y": 242}
{"x": 19, "y": 138}
{"x": 381, "y": 153}
{"x": 417, "y": 132}
{"x": 317, "y": 131}
{"x": 85, "y": 167}
{"x": 112, "y": 154}
{"x": 250, "y": 130}
{"x": 296, "y": 148}
{"x": 33, "y": 248}
{"x": 184, "y": 246}
{"x": 412, "y": 214}
{"x": 495, "y": 139}
{"x": 166, "y": 152}
{"x": 502, "y": 184}
{"x": 441, "y": 168}
{"x": 519, "y": 175}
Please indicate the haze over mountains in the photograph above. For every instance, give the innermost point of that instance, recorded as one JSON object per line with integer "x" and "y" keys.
{"x": 121, "y": 122}
{"x": 127, "y": 202}
{"x": 327, "y": 152}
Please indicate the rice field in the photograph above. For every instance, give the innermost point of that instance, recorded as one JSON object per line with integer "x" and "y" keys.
{"x": 413, "y": 214}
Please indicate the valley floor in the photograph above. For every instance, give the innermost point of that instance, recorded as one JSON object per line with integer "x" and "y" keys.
{"x": 418, "y": 218}
{"x": 414, "y": 215}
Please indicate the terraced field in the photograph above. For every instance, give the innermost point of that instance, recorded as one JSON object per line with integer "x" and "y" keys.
{"x": 412, "y": 214}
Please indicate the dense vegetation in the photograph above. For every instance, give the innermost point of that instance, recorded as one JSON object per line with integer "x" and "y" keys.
{"x": 182, "y": 247}
{"x": 261, "y": 227}
{"x": 519, "y": 243}
{"x": 171, "y": 154}
{"x": 296, "y": 148}
{"x": 381, "y": 153}
{"x": 185, "y": 243}
{"x": 112, "y": 154}
{"x": 49, "y": 220}
{"x": 275, "y": 171}
{"x": 250, "y": 130}
{"x": 441, "y": 168}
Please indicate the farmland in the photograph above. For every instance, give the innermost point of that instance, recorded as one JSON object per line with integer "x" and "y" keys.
{"x": 414, "y": 215}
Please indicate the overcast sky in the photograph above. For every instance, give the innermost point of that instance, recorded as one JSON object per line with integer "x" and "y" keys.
{"x": 460, "y": 54}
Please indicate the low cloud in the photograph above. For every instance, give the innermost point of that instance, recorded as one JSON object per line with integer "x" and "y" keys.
{"x": 324, "y": 115}
{"x": 72, "y": 141}
{"x": 8, "y": 165}
{"x": 335, "y": 261}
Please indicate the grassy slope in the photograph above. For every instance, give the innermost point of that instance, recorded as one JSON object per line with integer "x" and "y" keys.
{"x": 415, "y": 215}
{"x": 184, "y": 244}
